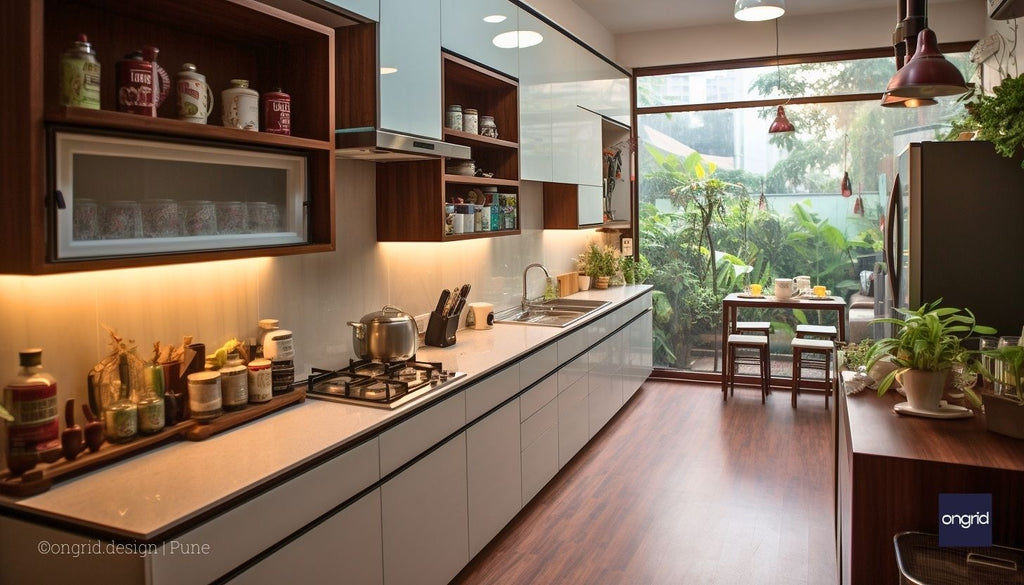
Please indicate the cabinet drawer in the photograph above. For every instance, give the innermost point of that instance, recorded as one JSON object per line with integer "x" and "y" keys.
{"x": 535, "y": 398}
{"x": 540, "y": 463}
{"x": 573, "y": 371}
{"x": 532, "y": 428}
{"x": 402, "y": 443}
{"x": 572, "y": 345}
{"x": 247, "y": 530}
{"x": 491, "y": 392}
{"x": 538, "y": 365}
{"x": 573, "y": 421}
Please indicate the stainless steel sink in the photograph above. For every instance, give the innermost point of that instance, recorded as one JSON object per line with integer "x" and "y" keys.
{"x": 552, "y": 313}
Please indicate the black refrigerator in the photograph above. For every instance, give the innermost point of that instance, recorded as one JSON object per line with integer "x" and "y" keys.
{"x": 955, "y": 230}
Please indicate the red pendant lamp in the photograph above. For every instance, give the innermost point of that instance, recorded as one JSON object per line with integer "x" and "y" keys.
{"x": 846, "y": 185}
{"x": 762, "y": 203}
{"x": 781, "y": 123}
{"x": 928, "y": 74}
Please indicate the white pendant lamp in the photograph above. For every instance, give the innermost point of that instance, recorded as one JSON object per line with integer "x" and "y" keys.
{"x": 756, "y": 10}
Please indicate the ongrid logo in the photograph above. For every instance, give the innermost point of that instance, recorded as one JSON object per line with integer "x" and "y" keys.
{"x": 965, "y": 519}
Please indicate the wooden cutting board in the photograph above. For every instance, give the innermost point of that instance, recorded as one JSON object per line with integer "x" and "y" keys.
{"x": 568, "y": 283}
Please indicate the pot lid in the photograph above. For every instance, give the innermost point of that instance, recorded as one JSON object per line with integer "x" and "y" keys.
{"x": 389, "y": 314}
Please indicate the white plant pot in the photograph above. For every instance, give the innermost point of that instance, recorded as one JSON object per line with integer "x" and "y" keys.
{"x": 924, "y": 389}
{"x": 584, "y": 282}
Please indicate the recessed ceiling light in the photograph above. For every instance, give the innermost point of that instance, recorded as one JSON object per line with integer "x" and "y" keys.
{"x": 388, "y": 70}
{"x": 495, "y": 18}
{"x": 517, "y": 39}
{"x": 758, "y": 10}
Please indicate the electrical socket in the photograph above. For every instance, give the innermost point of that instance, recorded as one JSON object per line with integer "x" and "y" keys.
{"x": 421, "y": 322}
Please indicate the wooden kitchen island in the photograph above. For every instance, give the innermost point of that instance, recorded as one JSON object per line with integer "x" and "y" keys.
{"x": 890, "y": 470}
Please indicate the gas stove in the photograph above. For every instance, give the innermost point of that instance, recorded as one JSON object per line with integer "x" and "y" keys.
{"x": 380, "y": 385}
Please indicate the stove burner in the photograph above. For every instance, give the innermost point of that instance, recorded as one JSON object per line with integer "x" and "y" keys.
{"x": 383, "y": 385}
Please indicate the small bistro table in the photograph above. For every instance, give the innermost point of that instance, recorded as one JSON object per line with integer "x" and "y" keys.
{"x": 732, "y": 303}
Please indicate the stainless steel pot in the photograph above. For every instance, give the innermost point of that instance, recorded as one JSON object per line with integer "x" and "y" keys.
{"x": 387, "y": 335}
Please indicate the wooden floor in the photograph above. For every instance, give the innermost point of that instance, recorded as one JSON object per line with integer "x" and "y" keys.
{"x": 680, "y": 488}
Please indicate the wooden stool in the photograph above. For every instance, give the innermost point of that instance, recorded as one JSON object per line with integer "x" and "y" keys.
{"x": 822, "y": 347}
{"x": 817, "y": 332}
{"x": 739, "y": 342}
{"x": 748, "y": 327}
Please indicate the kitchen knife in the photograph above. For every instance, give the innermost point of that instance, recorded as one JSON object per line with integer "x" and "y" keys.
{"x": 462, "y": 295}
{"x": 442, "y": 302}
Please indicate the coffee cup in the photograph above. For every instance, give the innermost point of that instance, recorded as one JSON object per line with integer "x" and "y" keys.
{"x": 483, "y": 315}
{"x": 755, "y": 289}
{"x": 783, "y": 288}
{"x": 820, "y": 291}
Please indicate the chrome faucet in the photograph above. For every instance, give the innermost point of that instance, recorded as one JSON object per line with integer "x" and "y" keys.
{"x": 526, "y": 301}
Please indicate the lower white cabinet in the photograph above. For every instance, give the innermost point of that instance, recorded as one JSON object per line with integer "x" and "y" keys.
{"x": 424, "y": 515}
{"x": 539, "y": 436}
{"x": 605, "y": 382}
{"x": 344, "y": 548}
{"x": 573, "y": 420}
{"x": 639, "y": 354}
{"x": 495, "y": 473}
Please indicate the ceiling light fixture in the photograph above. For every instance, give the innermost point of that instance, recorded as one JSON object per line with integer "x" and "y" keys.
{"x": 758, "y": 10}
{"x": 927, "y": 74}
{"x": 781, "y": 123}
{"x": 495, "y": 18}
{"x": 517, "y": 39}
{"x": 388, "y": 70}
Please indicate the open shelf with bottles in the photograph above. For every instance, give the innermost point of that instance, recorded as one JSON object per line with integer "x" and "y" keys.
{"x": 225, "y": 39}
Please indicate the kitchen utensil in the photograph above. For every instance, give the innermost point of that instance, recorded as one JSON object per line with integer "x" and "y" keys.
{"x": 442, "y": 302}
{"x": 387, "y": 335}
{"x": 93, "y": 429}
{"x": 457, "y": 307}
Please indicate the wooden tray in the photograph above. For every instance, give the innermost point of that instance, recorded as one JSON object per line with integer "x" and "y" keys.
{"x": 42, "y": 476}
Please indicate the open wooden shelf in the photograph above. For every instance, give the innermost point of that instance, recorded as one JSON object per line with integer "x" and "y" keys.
{"x": 477, "y": 140}
{"x": 482, "y": 181}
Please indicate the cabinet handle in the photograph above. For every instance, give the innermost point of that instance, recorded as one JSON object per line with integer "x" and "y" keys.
{"x": 58, "y": 197}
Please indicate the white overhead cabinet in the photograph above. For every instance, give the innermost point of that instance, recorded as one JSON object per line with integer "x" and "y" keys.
{"x": 369, "y": 9}
{"x": 483, "y": 31}
{"x": 537, "y": 75}
{"x": 410, "y": 67}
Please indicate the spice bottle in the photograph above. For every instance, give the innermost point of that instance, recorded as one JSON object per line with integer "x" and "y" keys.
{"x": 234, "y": 387}
{"x": 80, "y": 76}
{"x": 31, "y": 398}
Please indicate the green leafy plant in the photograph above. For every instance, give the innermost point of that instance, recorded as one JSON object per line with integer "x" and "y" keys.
{"x": 1012, "y": 358}
{"x": 635, "y": 271}
{"x": 927, "y": 339}
{"x": 601, "y": 260}
{"x": 856, "y": 355}
{"x": 998, "y": 118}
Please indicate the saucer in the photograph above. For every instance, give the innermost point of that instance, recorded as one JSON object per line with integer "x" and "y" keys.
{"x": 749, "y": 296}
{"x": 945, "y": 410}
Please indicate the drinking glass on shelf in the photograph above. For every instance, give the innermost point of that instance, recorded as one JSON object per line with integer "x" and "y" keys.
{"x": 198, "y": 218}
{"x": 121, "y": 220}
{"x": 985, "y": 343}
{"x": 1003, "y": 377}
{"x": 85, "y": 218}
{"x": 160, "y": 218}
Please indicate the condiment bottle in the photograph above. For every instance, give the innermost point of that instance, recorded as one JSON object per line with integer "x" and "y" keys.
{"x": 234, "y": 387}
{"x": 121, "y": 417}
{"x": 80, "y": 76}
{"x": 151, "y": 403}
{"x": 204, "y": 396}
{"x": 31, "y": 398}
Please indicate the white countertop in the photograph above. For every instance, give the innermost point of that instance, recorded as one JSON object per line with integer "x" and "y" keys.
{"x": 152, "y": 493}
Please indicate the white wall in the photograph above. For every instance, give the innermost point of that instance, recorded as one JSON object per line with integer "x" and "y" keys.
{"x": 960, "y": 21}
{"x": 313, "y": 295}
{"x": 1006, "y": 62}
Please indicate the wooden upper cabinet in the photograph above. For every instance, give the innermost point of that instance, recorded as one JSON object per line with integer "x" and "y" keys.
{"x": 225, "y": 39}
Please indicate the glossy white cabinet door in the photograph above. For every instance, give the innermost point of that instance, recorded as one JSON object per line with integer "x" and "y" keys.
{"x": 591, "y": 205}
{"x": 605, "y": 384}
{"x": 536, "y": 75}
{"x": 367, "y": 8}
{"x": 589, "y": 157}
{"x": 495, "y": 474}
{"x": 345, "y": 547}
{"x": 565, "y": 119}
{"x": 425, "y": 518}
{"x": 410, "y": 43}
{"x": 603, "y": 88}
{"x": 465, "y": 32}
{"x": 573, "y": 420}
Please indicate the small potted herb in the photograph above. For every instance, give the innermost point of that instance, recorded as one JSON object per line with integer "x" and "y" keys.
{"x": 602, "y": 262}
{"x": 635, "y": 271}
{"x": 997, "y": 118}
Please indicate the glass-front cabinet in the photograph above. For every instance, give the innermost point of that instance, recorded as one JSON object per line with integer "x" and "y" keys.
{"x": 410, "y": 67}
{"x": 484, "y": 31}
{"x": 118, "y": 196}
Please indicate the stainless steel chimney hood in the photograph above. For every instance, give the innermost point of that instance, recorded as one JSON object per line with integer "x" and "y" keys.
{"x": 383, "y": 146}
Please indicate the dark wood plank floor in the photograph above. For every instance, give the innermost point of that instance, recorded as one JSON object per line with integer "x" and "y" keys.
{"x": 680, "y": 488}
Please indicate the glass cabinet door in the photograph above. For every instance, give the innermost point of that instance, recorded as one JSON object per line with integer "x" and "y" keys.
{"x": 127, "y": 197}
{"x": 410, "y": 67}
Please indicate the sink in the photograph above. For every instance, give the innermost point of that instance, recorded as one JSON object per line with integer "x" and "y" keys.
{"x": 551, "y": 313}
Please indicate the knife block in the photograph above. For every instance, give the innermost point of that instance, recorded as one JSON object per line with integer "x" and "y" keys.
{"x": 441, "y": 329}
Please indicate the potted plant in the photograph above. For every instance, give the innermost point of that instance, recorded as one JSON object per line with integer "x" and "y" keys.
{"x": 924, "y": 349}
{"x": 998, "y": 118}
{"x": 635, "y": 271}
{"x": 580, "y": 260}
{"x": 1004, "y": 414}
{"x": 601, "y": 264}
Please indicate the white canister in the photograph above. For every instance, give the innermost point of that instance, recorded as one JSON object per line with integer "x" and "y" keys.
{"x": 260, "y": 382}
{"x": 195, "y": 98}
{"x": 483, "y": 315}
{"x": 783, "y": 288}
{"x": 241, "y": 106}
{"x": 278, "y": 345}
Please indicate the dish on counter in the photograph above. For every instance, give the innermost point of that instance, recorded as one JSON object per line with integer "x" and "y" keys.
{"x": 945, "y": 410}
{"x": 749, "y": 296}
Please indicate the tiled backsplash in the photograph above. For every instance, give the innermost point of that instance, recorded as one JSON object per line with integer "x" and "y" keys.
{"x": 313, "y": 295}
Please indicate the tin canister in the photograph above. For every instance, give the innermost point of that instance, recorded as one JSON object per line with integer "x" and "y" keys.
{"x": 80, "y": 76}
{"x": 142, "y": 84}
{"x": 195, "y": 98}
{"x": 277, "y": 112}
{"x": 241, "y": 106}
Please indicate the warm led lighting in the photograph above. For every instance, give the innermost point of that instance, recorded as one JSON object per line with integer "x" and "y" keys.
{"x": 495, "y": 18}
{"x": 758, "y": 10}
{"x": 517, "y": 39}
{"x": 388, "y": 70}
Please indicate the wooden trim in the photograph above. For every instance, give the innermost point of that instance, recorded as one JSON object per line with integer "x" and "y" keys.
{"x": 857, "y": 97}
